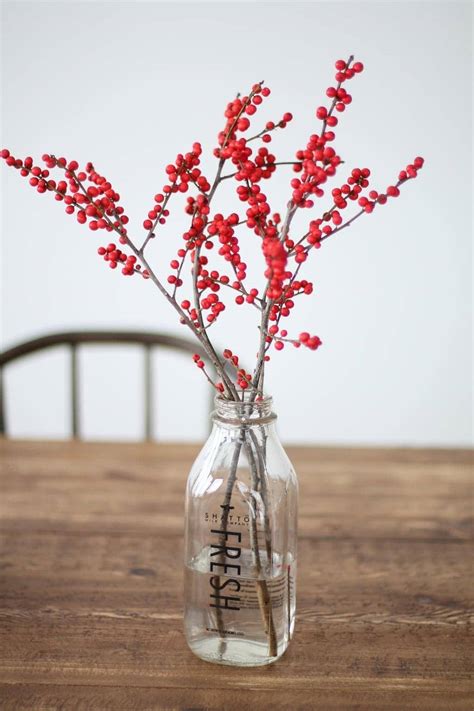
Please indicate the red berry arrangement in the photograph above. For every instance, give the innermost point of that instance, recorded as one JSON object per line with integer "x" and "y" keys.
{"x": 248, "y": 161}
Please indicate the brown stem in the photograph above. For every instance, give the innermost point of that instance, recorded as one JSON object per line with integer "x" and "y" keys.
{"x": 151, "y": 231}
{"x": 264, "y": 490}
{"x": 263, "y": 594}
{"x": 225, "y": 518}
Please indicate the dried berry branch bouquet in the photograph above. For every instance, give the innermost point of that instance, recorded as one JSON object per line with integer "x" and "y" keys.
{"x": 242, "y": 492}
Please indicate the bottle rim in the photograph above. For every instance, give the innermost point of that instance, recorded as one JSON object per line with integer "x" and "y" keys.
{"x": 244, "y": 412}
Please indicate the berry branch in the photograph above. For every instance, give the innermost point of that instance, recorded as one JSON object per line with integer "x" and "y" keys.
{"x": 248, "y": 163}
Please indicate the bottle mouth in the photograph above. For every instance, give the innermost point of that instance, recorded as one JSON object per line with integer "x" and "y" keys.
{"x": 250, "y": 411}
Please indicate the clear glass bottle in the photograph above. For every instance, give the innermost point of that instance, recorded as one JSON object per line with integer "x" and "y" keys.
{"x": 240, "y": 540}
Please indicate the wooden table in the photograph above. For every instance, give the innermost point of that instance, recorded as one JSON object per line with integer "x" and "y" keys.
{"x": 91, "y": 575}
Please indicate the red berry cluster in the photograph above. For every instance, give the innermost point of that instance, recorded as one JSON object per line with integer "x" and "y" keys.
{"x": 283, "y": 306}
{"x": 243, "y": 378}
{"x": 270, "y": 126}
{"x": 368, "y": 203}
{"x": 280, "y": 337}
{"x": 180, "y": 174}
{"x": 318, "y": 161}
{"x": 411, "y": 171}
{"x": 211, "y": 302}
{"x": 276, "y": 258}
{"x": 250, "y": 171}
{"x": 358, "y": 179}
{"x": 311, "y": 342}
{"x": 321, "y": 228}
{"x": 198, "y": 360}
{"x": 99, "y": 204}
{"x": 85, "y": 193}
{"x": 113, "y": 255}
{"x": 224, "y": 229}
{"x": 237, "y": 113}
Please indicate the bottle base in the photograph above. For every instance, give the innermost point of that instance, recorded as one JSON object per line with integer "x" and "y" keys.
{"x": 233, "y": 652}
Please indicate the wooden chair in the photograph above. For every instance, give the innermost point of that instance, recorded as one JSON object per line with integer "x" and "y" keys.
{"x": 77, "y": 339}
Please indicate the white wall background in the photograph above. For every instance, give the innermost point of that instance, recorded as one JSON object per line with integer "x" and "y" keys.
{"x": 128, "y": 85}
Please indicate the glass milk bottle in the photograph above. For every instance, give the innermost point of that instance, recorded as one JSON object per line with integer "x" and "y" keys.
{"x": 240, "y": 539}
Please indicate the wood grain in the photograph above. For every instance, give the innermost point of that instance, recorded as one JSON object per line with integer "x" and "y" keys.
{"x": 91, "y": 577}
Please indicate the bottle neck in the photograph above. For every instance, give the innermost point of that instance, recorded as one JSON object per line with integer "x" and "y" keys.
{"x": 249, "y": 413}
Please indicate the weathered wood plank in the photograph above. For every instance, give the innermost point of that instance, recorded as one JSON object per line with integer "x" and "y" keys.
{"x": 153, "y": 652}
{"x": 112, "y": 651}
{"x": 344, "y": 493}
{"x": 135, "y": 575}
{"x": 363, "y": 695}
{"x": 375, "y": 608}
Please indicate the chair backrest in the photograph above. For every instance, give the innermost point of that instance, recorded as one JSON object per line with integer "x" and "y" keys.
{"x": 76, "y": 339}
